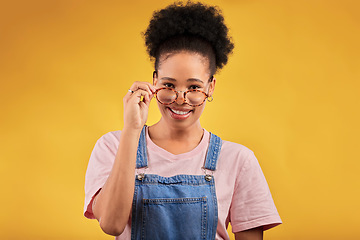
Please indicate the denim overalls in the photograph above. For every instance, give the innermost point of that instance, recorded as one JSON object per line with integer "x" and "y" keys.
{"x": 177, "y": 207}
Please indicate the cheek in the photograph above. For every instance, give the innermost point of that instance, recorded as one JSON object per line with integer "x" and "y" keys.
{"x": 200, "y": 109}
{"x": 162, "y": 108}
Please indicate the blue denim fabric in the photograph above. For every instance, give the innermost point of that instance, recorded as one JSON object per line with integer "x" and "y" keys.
{"x": 141, "y": 154}
{"x": 213, "y": 152}
{"x": 177, "y": 207}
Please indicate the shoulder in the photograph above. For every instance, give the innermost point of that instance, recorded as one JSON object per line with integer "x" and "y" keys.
{"x": 107, "y": 143}
{"x": 110, "y": 138}
{"x": 232, "y": 151}
{"x": 103, "y": 155}
{"x": 235, "y": 148}
{"x": 234, "y": 157}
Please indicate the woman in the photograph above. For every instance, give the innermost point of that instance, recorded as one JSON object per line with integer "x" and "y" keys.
{"x": 174, "y": 179}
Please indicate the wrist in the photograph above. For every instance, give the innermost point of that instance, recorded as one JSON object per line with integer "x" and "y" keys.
{"x": 131, "y": 132}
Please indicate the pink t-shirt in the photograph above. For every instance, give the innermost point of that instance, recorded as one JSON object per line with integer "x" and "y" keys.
{"x": 244, "y": 198}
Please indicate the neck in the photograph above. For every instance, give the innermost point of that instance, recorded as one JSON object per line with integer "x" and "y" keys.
{"x": 162, "y": 130}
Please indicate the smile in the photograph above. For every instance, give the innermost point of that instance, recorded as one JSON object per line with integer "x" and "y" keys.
{"x": 179, "y": 112}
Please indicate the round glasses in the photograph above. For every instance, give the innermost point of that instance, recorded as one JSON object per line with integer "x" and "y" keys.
{"x": 192, "y": 97}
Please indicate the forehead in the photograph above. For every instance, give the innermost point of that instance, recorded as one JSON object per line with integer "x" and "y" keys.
{"x": 184, "y": 64}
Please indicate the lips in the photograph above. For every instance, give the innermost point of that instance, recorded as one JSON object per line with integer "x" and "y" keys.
{"x": 179, "y": 114}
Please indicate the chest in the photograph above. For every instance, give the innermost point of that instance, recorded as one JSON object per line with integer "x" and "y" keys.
{"x": 176, "y": 147}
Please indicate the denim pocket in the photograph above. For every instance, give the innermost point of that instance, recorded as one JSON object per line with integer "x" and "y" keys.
{"x": 174, "y": 218}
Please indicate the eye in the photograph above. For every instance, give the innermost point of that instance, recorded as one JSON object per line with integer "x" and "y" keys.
{"x": 169, "y": 85}
{"x": 194, "y": 87}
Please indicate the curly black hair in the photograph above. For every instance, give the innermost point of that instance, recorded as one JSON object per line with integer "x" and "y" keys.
{"x": 189, "y": 26}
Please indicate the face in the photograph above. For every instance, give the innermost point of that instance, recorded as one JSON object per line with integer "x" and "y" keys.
{"x": 183, "y": 71}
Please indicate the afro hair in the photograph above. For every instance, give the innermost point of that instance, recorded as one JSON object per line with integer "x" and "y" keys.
{"x": 189, "y": 26}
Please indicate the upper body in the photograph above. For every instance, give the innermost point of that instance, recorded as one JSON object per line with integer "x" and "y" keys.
{"x": 189, "y": 43}
{"x": 242, "y": 193}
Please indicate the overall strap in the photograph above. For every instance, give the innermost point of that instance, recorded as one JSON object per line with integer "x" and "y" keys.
{"x": 141, "y": 154}
{"x": 213, "y": 152}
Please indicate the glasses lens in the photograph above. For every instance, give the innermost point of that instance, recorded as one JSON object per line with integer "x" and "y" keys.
{"x": 166, "y": 96}
{"x": 195, "y": 97}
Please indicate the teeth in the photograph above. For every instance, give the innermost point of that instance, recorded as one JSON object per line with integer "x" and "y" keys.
{"x": 180, "y": 112}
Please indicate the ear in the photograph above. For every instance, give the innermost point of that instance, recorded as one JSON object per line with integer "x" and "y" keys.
{"x": 155, "y": 76}
{"x": 212, "y": 86}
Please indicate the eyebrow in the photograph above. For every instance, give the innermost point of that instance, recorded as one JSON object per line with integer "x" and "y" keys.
{"x": 189, "y": 80}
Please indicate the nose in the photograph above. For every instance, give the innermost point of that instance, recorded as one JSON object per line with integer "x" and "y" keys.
{"x": 180, "y": 99}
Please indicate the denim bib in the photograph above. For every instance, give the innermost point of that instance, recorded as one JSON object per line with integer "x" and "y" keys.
{"x": 177, "y": 207}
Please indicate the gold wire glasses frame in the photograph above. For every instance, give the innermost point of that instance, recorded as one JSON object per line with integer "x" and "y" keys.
{"x": 177, "y": 96}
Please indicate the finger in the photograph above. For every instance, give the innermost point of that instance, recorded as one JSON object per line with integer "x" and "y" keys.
{"x": 140, "y": 85}
{"x": 137, "y": 96}
{"x": 149, "y": 86}
{"x": 144, "y": 86}
{"x": 147, "y": 98}
{"x": 127, "y": 95}
{"x": 144, "y": 96}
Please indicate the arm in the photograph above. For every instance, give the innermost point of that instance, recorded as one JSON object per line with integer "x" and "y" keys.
{"x": 252, "y": 204}
{"x": 251, "y": 234}
{"x": 112, "y": 205}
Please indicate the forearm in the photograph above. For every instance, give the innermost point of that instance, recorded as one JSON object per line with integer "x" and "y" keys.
{"x": 251, "y": 234}
{"x": 113, "y": 203}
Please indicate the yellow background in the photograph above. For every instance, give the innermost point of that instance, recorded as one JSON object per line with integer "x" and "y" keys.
{"x": 290, "y": 93}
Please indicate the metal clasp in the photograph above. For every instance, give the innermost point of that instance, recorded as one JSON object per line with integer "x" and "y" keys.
{"x": 141, "y": 175}
{"x": 208, "y": 177}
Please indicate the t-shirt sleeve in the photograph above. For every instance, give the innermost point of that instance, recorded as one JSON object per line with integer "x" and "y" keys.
{"x": 99, "y": 168}
{"x": 252, "y": 204}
